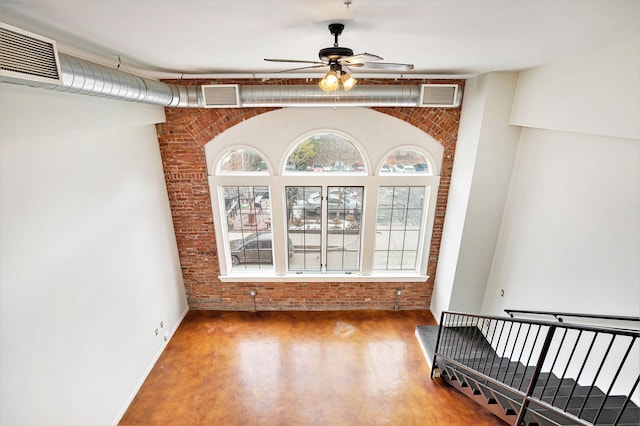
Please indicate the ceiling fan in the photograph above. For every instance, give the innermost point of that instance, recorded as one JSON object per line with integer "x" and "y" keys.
{"x": 336, "y": 57}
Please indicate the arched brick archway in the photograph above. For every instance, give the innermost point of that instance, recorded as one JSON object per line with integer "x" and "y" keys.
{"x": 182, "y": 140}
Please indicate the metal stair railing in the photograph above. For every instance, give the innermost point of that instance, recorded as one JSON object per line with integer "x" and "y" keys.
{"x": 560, "y": 315}
{"x": 582, "y": 374}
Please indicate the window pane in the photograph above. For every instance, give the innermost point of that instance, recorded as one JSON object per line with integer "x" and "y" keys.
{"x": 411, "y": 239}
{"x": 242, "y": 161}
{"x": 393, "y": 260}
{"x": 325, "y": 152}
{"x": 344, "y": 212}
{"x": 406, "y": 161}
{"x": 398, "y": 227}
{"x": 248, "y": 214}
{"x": 409, "y": 258}
{"x": 309, "y": 212}
{"x": 382, "y": 239}
{"x": 385, "y": 208}
{"x": 304, "y": 227}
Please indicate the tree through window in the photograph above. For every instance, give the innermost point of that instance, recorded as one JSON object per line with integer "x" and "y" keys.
{"x": 325, "y": 152}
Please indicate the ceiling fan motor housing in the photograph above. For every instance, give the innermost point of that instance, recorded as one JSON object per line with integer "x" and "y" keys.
{"x": 331, "y": 54}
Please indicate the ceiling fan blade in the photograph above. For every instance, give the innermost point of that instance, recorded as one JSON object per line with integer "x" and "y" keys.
{"x": 360, "y": 58}
{"x": 295, "y": 61}
{"x": 304, "y": 68}
{"x": 387, "y": 66}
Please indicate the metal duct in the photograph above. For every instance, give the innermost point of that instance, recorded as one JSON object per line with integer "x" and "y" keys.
{"x": 87, "y": 78}
{"x": 310, "y": 95}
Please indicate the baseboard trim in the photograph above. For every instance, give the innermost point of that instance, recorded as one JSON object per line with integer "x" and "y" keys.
{"x": 150, "y": 367}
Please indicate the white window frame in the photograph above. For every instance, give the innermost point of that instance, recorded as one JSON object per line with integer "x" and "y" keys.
{"x": 276, "y": 183}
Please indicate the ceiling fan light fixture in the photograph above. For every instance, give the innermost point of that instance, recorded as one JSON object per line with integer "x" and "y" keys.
{"x": 348, "y": 82}
{"x": 330, "y": 82}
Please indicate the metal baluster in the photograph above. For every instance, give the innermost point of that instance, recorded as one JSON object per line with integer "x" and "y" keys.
{"x": 504, "y": 378}
{"x": 455, "y": 354}
{"x": 568, "y": 362}
{"x": 435, "y": 351}
{"x": 536, "y": 373}
{"x": 464, "y": 340}
{"x": 519, "y": 360}
{"x": 450, "y": 322}
{"x": 471, "y": 331}
{"x": 497, "y": 348}
{"x": 564, "y": 334}
{"x": 504, "y": 351}
{"x": 533, "y": 346}
{"x": 493, "y": 334}
{"x": 626, "y": 401}
{"x": 615, "y": 378}
{"x": 575, "y": 382}
{"x": 604, "y": 359}
{"x": 482, "y": 343}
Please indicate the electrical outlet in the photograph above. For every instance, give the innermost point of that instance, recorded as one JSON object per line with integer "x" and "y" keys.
{"x": 253, "y": 293}
{"x": 157, "y": 331}
{"x": 161, "y": 324}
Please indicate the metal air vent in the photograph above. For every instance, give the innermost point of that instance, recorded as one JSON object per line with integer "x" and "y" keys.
{"x": 25, "y": 56}
{"x": 221, "y": 96}
{"x": 440, "y": 95}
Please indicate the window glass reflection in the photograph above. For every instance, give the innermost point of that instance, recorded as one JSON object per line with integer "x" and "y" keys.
{"x": 406, "y": 161}
{"x": 242, "y": 161}
{"x": 325, "y": 153}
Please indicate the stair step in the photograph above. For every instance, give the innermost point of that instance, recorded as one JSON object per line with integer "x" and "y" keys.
{"x": 537, "y": 416}
{"x": 608, "y": 415}
{"x": 593, "y": 401}
{"x": 565, "y": 388}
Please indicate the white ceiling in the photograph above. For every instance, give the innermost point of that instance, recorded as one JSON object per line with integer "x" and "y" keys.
{"x": 189, "y": 38}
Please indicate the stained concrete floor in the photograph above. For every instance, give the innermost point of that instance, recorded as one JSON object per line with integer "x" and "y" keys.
{"x": 299, "y": 368}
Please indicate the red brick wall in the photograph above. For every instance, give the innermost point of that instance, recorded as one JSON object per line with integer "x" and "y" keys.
{"x": 182, "y": 139}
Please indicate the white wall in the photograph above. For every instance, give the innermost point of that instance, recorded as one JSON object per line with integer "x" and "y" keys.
{"x": 88, "y": 254}
{"x": 485, "y": 152}
{"x": 570, "y": 236}
{"x": 281, "y": 130}
{"x": 595, "y": 93}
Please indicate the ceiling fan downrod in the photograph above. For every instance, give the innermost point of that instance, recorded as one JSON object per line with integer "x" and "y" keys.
{"x": 336, "y": 30}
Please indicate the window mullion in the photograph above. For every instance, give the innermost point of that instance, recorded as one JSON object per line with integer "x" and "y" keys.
{"x": 278, "y": 227}
{"x": 368, "y": 225}
{"x": 323, "y": 232}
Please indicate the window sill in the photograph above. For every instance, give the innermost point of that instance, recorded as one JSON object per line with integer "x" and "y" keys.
{"x": 324, "y": 278}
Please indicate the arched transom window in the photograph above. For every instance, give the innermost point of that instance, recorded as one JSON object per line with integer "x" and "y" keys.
{"x": 325, "y": 152}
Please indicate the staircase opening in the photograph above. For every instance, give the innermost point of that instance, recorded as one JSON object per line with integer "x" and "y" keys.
{"x": 538, "y": 371}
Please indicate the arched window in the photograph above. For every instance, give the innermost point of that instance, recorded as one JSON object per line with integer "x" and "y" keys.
{"x": 332, "y": 210}
{"x": 247, "y": 211}
{"x": 325, "y": 152}
{"x": 406, "y": 161}
{"x": 241, "y": 160}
